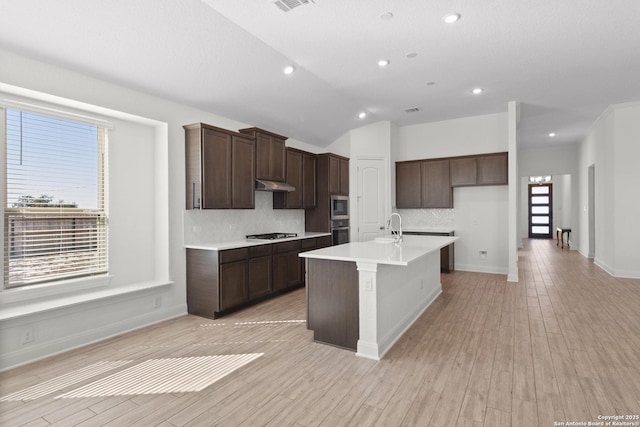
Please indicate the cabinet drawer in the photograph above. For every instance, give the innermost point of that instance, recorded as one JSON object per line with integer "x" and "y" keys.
{"x": 231, "y": 255}
{"x": 293, "y": 245}
{"x": 261, "y": 250}
{"x": 308, "y": 244}
{"x": 323, "y": 242}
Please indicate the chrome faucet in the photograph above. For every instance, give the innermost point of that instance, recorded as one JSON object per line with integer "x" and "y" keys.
{"x": 396, "y": 233}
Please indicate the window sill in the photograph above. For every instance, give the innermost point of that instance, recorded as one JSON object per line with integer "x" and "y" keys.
{"x": 14, "y": 307}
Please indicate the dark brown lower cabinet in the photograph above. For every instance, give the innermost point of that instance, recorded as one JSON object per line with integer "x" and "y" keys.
{"x": 287, "y": 268}
{"x": 221, "y": 281}
{"x": 233, "y": 284}
{"x": 259, "y": 277}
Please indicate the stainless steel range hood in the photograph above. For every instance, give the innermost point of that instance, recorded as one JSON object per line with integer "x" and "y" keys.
{"x": 266, "y": 185}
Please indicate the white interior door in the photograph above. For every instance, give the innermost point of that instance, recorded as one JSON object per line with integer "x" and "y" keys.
{"x": 370, "y": 197}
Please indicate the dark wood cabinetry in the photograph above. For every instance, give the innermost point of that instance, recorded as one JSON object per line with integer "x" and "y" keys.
{"x": 435, "y": 184}
{"x": 301, "y": 174}
{"x": 483, "y": 169}
{"x": 423, "y": 184}
{"x": 333, "y": 178}
{"x": 309, "y": 193}
{"x": 287, "y": 267}
{"x": 220, "y": 168}
{"x": 447, "y": 263}
{"x": 429, "y": 183}
{"x": 408, "y": 185}
{"x": 338, "y": 174}
{"x": 221, "y": 281}
{"x": 270, "y": 154}
{"x": 463, "y": 171}
{"x": 493, "y": 169}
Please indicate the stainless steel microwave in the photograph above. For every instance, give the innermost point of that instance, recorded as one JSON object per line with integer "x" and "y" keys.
{"x": 339, "y": 207}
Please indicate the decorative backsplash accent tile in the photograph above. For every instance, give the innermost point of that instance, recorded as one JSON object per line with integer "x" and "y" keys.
{"x": 229, "y": 225}
{"x": 426, "y": 218}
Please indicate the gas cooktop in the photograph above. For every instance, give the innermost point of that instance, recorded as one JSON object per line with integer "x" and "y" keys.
{"x": 271, "y": 236}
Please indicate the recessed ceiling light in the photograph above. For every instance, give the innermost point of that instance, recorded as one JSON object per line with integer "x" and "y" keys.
{"x": 383, "y": 62}
{"x": 450, "y": 18}
{"x": 386, "y": 16}
{"x": 289, "y": 69}
{"x": 362, "y": 115}
{"x": 552, "y": 134}
{"x": 411, "y": 55}
{"x": 477, "y": 91}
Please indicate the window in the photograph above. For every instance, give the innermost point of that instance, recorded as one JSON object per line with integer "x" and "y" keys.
{"x": 55, "y": 222}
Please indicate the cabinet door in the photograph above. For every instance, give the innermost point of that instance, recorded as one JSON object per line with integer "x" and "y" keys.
{"x": 263, "y": 156}
{"x": 436, "y": 188}
{"x": 308, "y": 181}
{"x": 294, "y": 178}
{"x": 334, "y": 175}
{"x": 463, "y": 171}
{"x": 277, "y": 159}
{"x": 493, "y": 169}
{"x": 280, "y": 271}
{"x": 344, "y": 176}
{"x": 243, "y": 173}
{"x": 408, "y": 194}
{"x": 259, "y": 276}
{"x": 233, "y": 284}
{"x": 216, "y": 170}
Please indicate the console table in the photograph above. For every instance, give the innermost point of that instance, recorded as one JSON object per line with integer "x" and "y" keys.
{"x": 560, "y": 236}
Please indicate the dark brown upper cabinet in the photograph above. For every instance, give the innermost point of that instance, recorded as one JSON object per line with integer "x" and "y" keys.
{"x": 464, "y": 171}
{"x": 423, "y": 184}
{"x": 338, "y": 174}
{"x": 493, "y": 169}
{"x": 220, "y": 168}
{"x": 435, "y": 184}
{"x": 301, "y": 174}
{"x": 270, "y": 154}
{"x": 408, "y": 185}
{"x": 482, "y": 169}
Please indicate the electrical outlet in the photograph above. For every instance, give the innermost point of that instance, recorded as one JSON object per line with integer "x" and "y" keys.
{"x": 197, "y": 229}
{"x": 157, "y": 302}
{"x": 483, "y": 254}
{"x": 27, "y": 335}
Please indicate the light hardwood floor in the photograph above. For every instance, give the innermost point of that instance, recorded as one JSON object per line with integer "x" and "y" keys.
{"x": 561, "y": 345}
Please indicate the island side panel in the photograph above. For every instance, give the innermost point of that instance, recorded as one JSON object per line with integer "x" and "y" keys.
{"x": 332, "y": 302}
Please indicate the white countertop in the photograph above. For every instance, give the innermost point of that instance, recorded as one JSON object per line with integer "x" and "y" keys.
{"x": 428, "y": 229}
{"x": 218, "y": 246}
{"x": 411, "y": 248}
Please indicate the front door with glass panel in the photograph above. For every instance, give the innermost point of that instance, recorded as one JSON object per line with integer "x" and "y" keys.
{"x": 540, "y": 213}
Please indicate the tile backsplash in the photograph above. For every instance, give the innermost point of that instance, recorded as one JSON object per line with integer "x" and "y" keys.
{"x": 427, "y": 218}
{"x": 229, "y": 225}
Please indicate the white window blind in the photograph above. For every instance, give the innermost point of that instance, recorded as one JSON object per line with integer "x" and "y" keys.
{"x": 55, "y": 223}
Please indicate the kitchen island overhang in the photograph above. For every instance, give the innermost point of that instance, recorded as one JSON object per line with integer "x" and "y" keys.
{"x": 363, "y": 296}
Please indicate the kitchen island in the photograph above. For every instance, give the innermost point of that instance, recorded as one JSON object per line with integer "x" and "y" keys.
{"x": 363, "y": 296}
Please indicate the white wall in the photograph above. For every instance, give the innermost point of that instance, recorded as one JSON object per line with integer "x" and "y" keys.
{"x": 612, "y": 146}
{"x": 475, "y": 209}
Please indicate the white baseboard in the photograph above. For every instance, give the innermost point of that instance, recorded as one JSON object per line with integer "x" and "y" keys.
{"x": 482, "y": 269}
{"x": 50, "y": 348}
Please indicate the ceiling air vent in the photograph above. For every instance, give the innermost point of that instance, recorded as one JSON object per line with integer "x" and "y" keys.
{"x": 287, "y": 5}
{"x": 411, "y": 110}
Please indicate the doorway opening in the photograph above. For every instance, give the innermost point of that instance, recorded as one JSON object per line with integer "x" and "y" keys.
{"x": 540, "y": 211}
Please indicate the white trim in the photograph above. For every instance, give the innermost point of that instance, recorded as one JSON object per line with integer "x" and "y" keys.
{"x": 18, "y": 310}
{"x": 51, "y": 348}
{"x": 54, "y": 112}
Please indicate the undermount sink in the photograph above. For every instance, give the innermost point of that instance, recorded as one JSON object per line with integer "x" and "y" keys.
{"x": 385, "y": 239}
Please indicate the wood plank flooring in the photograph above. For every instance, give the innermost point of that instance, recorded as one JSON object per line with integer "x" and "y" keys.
{"x": 561, "y": 345}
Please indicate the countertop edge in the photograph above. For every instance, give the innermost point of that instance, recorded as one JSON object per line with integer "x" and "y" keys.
{"x": 218, "y": 246}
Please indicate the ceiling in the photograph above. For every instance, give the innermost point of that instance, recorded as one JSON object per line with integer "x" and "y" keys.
{"x": 565, "y": 61}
